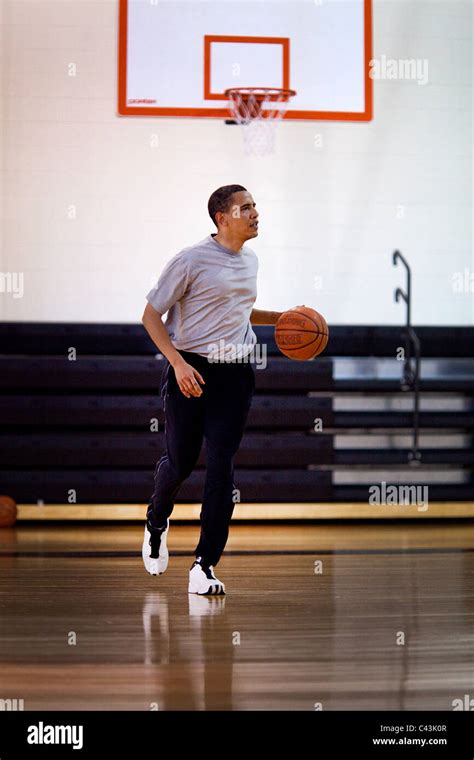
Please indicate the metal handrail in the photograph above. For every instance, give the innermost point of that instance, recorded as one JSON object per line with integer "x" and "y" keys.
{"x": 411, "y": 376}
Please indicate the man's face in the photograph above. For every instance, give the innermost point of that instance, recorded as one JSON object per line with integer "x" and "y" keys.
{"x": 242, "y": 217}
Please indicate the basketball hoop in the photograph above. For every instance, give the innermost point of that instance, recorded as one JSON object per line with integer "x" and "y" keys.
{"x": 258, "y": 110}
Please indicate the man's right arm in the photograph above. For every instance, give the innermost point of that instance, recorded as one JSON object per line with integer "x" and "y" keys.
{"x": 187, "y": 377}
{"x": 158, "y": 333}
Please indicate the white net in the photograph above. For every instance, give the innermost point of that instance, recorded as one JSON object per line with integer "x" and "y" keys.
{"x": 258, "y": 110}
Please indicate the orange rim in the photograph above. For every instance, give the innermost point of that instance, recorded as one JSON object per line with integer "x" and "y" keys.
{"x": 260, "y": 93}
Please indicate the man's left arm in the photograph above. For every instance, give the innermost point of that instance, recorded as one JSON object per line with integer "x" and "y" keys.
{"x": 260, "y": 317}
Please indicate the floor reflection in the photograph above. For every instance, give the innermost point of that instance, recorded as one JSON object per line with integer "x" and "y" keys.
{"x": 204, "y": 651}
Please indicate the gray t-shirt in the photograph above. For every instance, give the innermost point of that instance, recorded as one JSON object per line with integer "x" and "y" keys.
{"x": 209, "y": 291}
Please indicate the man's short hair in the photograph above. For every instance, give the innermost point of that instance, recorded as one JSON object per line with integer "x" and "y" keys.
{"x": 220, "y": 199}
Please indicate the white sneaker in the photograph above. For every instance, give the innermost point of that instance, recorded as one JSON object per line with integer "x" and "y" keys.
{"x": 154, "y": 550}
{"x": 203, "y": 581}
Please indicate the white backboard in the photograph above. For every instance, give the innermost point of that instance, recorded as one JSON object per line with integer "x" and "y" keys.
{"x": 177, "y": 58}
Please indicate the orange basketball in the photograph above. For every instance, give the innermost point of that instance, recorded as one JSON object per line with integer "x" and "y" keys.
{"x": 301, "y": 333}
{"x": 8, "y": 512}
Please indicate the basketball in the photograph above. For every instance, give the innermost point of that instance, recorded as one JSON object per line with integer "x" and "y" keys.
{"x": 301, "y": 333}
{"x": 8, "y": 512}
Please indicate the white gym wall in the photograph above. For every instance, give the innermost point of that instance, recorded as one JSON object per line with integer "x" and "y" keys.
{"x": 94, "y": 204}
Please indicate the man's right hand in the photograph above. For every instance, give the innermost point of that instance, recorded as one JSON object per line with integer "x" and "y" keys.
{"x": 187, "y": 378}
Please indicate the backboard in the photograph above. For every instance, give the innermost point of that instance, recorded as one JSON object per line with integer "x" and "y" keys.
{"x": 177, "y": 58}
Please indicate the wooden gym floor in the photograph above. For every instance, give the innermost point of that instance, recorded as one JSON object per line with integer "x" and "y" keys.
{"x": 332, "y": 616}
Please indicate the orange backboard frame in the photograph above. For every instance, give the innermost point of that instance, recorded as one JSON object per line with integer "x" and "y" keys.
{"x": 125, "y": 109}
{"x": 209, "y": 39}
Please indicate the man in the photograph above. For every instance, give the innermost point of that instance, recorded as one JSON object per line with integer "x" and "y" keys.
{"x": 208, "y": 291}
